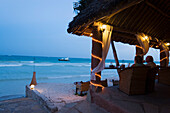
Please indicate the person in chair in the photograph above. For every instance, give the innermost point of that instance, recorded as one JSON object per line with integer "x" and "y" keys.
{"x": 149, "y": 60}
{"x": 138, "y": 61}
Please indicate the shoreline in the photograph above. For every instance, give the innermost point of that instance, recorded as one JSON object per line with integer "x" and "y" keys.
{"x": 10, "y": 97}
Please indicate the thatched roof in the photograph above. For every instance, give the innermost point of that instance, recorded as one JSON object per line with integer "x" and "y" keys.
{"x": 128, "y": 17}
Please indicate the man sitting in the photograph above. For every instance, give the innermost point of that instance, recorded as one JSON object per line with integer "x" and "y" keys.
{"x": 138, "y": 61}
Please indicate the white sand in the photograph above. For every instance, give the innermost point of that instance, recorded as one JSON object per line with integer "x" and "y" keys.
{"x": 57, "y": 95}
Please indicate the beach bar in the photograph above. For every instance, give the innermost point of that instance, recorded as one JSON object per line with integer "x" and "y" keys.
{"x": 143, "y": 23}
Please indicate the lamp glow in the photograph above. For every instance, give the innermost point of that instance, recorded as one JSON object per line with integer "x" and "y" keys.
{"x": 91, "y": 34}
{"x": 167, "y": 44}
{"x": 32, "y": 86}
{"x": 103, "y": 26}
{"x": 146, "y": 37}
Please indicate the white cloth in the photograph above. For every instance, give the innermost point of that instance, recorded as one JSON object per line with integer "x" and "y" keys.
{"x": 166, "y": 49}
{"x": 106, "y": 38}
{"x": 143, "y": 42}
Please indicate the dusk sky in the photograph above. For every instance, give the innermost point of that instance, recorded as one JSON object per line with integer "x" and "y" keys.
{"x": 39, "y": 28}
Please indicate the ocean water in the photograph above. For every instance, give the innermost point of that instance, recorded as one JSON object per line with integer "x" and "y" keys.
{"x": 16, "y": 72}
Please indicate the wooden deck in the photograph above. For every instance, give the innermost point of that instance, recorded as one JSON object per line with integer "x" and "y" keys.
{"x": 115, "y": 101}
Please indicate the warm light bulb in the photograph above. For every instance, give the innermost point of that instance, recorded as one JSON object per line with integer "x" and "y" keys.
{"x": 91, "y": 34}
{"x": 103, "y": 26}
{"x": 32, "y": 86}
{"x": 167, "y": 44}
{"x": 146, "y": 37}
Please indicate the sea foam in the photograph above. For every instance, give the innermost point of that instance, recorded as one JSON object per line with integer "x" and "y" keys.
{"x": 10, "y": 65}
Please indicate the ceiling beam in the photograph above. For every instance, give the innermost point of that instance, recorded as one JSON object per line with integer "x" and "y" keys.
{"x": 157, "y": 9}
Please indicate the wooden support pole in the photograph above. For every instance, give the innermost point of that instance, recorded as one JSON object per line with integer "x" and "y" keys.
{"x": 96, "y": 50}
{"x": 164, "y": 61}
{"x": 114, "y": 53}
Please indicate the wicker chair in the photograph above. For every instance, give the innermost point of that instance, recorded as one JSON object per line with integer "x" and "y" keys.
{"x": 164, "y": 76}
{"x": 150, "y": 80}
{"x": 133, "y": 80}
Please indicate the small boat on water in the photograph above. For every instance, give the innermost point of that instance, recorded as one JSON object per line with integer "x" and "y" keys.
{"x": 63, "y": 59}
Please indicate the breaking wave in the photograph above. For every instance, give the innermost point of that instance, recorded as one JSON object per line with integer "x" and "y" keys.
{"x": 31, "y": 63}
{"x": 10, "y": 65}
{"x": 43, "y": 78}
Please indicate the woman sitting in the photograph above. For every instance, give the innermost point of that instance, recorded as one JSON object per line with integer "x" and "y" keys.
{"x": 149, "y": 60}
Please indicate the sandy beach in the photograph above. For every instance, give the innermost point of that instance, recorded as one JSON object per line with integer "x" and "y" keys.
{"x": 54, "y": 95}
{"x": 50, "y": 98}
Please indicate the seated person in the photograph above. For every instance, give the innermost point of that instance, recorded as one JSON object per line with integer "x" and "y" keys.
{"x": 111, "y": 65}
{"x": 138, "y": 61}
{"x": 122, "y": 66}
{"x": 149, "y": 60}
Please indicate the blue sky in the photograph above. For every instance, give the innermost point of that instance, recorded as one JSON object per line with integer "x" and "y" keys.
{"x": 39, "y": 28}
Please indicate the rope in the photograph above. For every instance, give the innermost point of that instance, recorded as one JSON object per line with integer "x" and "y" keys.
{"x": 163, "y": 59}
